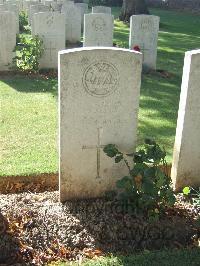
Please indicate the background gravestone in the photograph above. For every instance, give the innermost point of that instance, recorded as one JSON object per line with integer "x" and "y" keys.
{"x": 48, "y": 2}
{"x": 27, "y": 4}
{"x": 101, "y": 9}
{"x": 7, "y": 6}
{"x": 56, "y": 7}
{"x": 186, "y": 156}
{"x": 50, "y": 26}
{"x": 72, "y": 22}
{"x": 36, "y": 9}
{"x": 8, "y": 39}
{"x": 144, "y": 33}
{"x": 99, "y": 92}
{"x": 84, "y": 10}
{"x": 98, "y": 30}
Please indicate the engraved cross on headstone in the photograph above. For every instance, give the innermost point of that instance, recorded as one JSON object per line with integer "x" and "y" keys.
{"x": 98, "y": 148}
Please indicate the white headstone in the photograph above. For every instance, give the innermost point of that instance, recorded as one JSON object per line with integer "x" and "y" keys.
{"x": 3, "y": 7}
{"x": 144, "y": 33}
{"x": 7, "y": 39}
{"x": 186, "y": 157}
{"x": 7, "y": 6}
{"x": 28, "y": 3}
{"x": 36, "y": 9}
{"x": 48, "y": 2}
{"x": 19, "y": 3}
{"x": 99, "y": 92}
{"x": 101, "y": 9}
{"x": 66, "y": 5}
{"x": 50, "y": 26}
{"x": 72, "y": 22}
{"x": 84, "y": 10}
{"x": 60, "y": 2}
{"x": 98, "y": 30}
{"x": 56, "y": 7}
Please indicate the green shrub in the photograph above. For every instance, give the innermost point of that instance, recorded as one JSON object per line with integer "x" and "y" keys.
{"x": 147, "y": 189}
{"x": 23, "y": 22}
{"x": 28, "y": 53}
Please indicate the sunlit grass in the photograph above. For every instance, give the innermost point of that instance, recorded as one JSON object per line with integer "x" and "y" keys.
{"x": 28, "y": 126}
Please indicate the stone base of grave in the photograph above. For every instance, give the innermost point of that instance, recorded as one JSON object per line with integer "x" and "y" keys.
{"x": 73, "y": 45}
{"x": 185, "y": 181}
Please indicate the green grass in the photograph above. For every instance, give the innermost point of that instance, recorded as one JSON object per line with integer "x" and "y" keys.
{"x": 28, "y": 126}
{"x": 165, "y": 258}
{"x": 179, "y": 32}
{"x": 28, "y": 118}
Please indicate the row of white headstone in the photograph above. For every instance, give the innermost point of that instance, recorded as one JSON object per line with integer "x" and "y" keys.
{"x": 99, "y": 25}
{"x": 55, "y": 28}
{"x": 104, "y": 84}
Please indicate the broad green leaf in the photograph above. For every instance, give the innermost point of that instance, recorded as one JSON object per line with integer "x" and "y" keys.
{"x": 118, "y": 158}
{"x": 111, "y": 150}
{"x": 186, "y": 191}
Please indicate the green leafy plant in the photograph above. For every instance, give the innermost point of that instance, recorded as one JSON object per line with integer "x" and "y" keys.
{"x": 23, "y": 22}
{"x": 192, "y": 193}
{"x": 28, "y": 50}
{"x": 147, "y": 188}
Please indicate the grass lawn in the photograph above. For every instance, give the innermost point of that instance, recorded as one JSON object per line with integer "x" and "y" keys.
{"x": 28, "y": 126}
{"x": 157, "y": 258}
{"x": 28, "y": 114}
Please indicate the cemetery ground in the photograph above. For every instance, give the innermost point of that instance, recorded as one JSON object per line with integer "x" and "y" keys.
{"x": 29, "y": 133}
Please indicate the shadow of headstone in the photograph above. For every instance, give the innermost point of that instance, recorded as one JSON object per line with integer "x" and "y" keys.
{"x": 10, "y": 252}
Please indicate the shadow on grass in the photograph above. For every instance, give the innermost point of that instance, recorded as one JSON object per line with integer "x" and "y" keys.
{"x": 32, "y": 85}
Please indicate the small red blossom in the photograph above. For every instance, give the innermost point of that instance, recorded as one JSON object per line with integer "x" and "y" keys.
{"x": 136, "y": 48}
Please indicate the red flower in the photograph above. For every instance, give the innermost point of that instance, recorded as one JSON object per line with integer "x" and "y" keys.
{"x": 136, "y": 48}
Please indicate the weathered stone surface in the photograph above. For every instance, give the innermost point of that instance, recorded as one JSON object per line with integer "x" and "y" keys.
{"x": 28, "y": 3}
{"x": 8, "y": 6}
{"x": 98, "y": 30}
{"x": 72, "y": 22}
{"x": 48, "y": 2}
{"x": 99, "y": 92}
{"x": 56, "y": 7}
{"x": 36, "y": 9}
{"x": 50, "y": 26}
{"x": 186, "y": 157}
{"x": 3, "y": 8}
{"x": 84, "y": 10}
{"x": 101, "y": 9}
{"x": 144, "y": 33}
{"x": 7, "y": 38}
